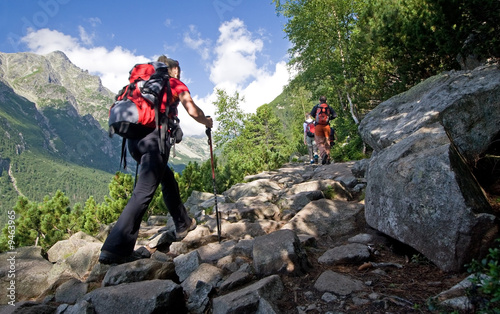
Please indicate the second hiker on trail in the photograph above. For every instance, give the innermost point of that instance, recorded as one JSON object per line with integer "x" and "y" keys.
{"x": 309, "y": 139}
{"x": 323, "y": 113}
{"x": 119, "y": 245}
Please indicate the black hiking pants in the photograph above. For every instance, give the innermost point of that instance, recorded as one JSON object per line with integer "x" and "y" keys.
{"x": 153, "y": 171}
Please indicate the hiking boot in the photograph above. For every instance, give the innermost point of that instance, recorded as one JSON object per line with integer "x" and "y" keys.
{"x": 109, "y": 258}
{"x": 328, "y": 161}
{"x": 324, "y": 159}
{"x": 181, "y": 234}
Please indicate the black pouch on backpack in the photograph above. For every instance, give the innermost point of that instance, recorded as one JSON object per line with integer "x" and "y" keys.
{"x": 175, "y": 131}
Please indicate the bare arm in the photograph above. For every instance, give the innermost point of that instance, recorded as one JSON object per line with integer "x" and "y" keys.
{"x": 194, "y": 111}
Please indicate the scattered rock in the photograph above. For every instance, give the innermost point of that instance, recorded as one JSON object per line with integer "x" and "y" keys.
{"x": 339, "y": 284}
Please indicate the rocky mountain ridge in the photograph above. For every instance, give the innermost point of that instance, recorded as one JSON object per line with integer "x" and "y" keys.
{"x": 53, "y": 80}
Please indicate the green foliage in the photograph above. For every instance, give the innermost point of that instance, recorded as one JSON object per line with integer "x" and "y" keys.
{"x": 290, "y": 109}
{"x": 190, "y": 180}
{"x": 42, "y": 223}
{"x": 209, "y": 211}
{"x": 87, "y": 220}
{"x": 120, "y": 190}
{"x": 348, "y": 144}
{"x": 246, "y": 144}
{"x": 406, "y": 41}
{"x": 57, "y": 151}
{"x": 260, "y": 146}
{"x": 466, "y": 27}
{"x": 329, "y": 192}
{"x": 486, "y": 278}
{"x": 229, "y": 117}
{"x": 348, "y": 149}
{"x": 360, "y": 53}
{"x": 38, "y": 175}
{"x": 420, "y": 259}
{"x": 321, "y": 32}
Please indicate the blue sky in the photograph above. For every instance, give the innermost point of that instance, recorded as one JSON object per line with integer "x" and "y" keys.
{"x": 236, "y": 45}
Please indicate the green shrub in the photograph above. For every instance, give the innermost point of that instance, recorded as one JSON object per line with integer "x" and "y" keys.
{"x": 329, "y": 192}
{"x": 486, "y": 279}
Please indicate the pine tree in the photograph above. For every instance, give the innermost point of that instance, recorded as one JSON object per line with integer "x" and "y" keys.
{"x": 120, "y": 191}
{"x": 43, "y": 223}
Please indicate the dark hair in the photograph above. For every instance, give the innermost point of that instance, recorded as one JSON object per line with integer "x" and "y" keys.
{"x": 322, "y": 99}
{"x": 170, "y": 62}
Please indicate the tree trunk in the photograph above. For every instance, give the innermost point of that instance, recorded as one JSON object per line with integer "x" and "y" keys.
{"x": 351, "y": 108}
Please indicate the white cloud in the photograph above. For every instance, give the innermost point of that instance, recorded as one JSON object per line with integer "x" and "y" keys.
{"x": 189, "y": 127}
{"x": 85, "y": 37}
{"x": 235, "y": 67}
{"x": 94, "y": 21}
{"x": 112, "y": 66}
{"x": 167, "y": 22}
{"x": 265, "y": 88}
{"x": 44, "y": 41}
{"x": 236, "y": 54}
{"x": 194, "y": 41}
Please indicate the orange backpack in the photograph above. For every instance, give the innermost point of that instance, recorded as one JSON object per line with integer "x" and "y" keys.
{"x": 323, "y": 114}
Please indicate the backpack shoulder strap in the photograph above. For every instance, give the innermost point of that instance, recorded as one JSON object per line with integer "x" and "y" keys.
{"x": 162, "y": 119}
{"x": 123, "y": 157}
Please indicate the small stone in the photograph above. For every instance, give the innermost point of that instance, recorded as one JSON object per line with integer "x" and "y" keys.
{"x": 328, "y": 297}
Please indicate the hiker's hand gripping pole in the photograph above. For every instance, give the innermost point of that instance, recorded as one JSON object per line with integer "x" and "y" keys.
{"x": 217, "y": 219}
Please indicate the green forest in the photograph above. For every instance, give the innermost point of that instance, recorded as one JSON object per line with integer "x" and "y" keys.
{"x": 357, "y": 53}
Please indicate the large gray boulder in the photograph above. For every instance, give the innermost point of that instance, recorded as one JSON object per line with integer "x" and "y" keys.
{"x": 153, "y": 296}
{"x": 420, "y": 189}
{"x": 326, "y": 217}
{"x": 253, "y": 188}
{"x": 256, "y": 298}
{"x": 65, "y": 248}
{"x": 23, "y": 274}
{"x": 140, "y": 270}
{"x": 279, "y": 252}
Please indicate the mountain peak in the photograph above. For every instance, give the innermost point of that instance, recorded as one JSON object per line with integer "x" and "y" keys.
{"x": 53, "y": 80}
{"x": 59, "y": 54}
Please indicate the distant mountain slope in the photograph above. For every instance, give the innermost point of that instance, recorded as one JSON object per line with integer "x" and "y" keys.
{"x": 35, "y": 161}
{"x": 62, "y": 102}
{"x": 53, "y": 81}
{"x": 192, "y": 148}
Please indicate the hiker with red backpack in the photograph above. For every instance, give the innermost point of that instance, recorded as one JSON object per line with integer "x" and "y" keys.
{"x": 323, "y": 114}
{"x": 309, "y": 139}
{"x": 151, "y": 151}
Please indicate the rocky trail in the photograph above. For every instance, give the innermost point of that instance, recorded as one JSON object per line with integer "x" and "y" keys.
{"x": 294, "y": 240}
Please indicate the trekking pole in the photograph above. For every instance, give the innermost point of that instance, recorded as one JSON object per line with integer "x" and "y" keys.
{"x": 209, "y": 134}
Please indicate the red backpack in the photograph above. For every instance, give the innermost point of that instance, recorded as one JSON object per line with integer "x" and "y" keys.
{"x": 323, "y": 114}
{"x": 310, "y": 129}
{"x": 136, "y": 111}
{"x": 138, "y": 108}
